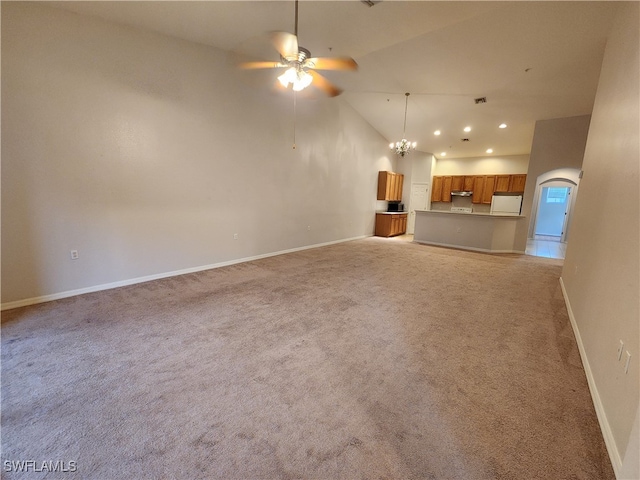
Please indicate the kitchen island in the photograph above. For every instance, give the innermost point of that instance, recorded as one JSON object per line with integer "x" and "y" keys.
{"x": 481, "y": 232}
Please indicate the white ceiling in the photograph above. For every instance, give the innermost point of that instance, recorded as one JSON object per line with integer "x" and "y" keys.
{"x": 531, "y": 60}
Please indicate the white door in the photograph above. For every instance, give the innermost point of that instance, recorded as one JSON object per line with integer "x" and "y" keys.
{"x": 417, "y": 201}
{"x": 553, "y": 211}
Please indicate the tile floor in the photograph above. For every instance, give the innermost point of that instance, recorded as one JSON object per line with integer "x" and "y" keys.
{"x": 540, "y": 246}
{"x": 546, "y": 246}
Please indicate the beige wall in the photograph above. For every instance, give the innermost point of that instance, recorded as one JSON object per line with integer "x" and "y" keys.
{"x": 507, "y": 164}
{"x": 601, "y": 273}
{"x": 146, "y": 154}
{"x": 558, "y": 144}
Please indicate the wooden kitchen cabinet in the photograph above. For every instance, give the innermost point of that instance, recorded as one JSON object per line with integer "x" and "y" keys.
{"x": 390, "y": 186}
{"x": 517, "y": 183}
{"x": 457, "y": 183}
{"x": 446, "y": 188}
{"x": 391, "y": 224}
{"x": 482, "y": 186}
{"x": 442, "y": 187}
{"x": 477, "y": 189}
{"x": 468, "y": 183}
{"x": 488, "y": 189}
{"x": 436, "y": 189}
{"x": 502, "y": 183}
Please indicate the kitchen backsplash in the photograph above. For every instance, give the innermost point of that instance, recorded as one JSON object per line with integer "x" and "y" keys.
{"x": 464, "y": 202}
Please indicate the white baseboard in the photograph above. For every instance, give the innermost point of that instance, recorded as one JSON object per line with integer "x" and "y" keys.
{"x": 132, "y": 281}
{"x": 614, "y": 455}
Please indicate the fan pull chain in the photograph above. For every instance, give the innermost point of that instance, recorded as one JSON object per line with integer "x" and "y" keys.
{"x": 294, "y": 119}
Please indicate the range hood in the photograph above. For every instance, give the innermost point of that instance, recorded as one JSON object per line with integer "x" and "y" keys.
{"x": 459, "y": 193}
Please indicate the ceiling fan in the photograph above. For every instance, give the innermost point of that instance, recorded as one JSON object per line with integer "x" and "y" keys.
{"x": 300, "y": 65}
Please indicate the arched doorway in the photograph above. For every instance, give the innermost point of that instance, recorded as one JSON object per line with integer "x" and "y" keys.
{"x": 552, "y": 206}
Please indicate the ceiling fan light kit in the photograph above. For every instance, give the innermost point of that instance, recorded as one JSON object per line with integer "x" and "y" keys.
{"x": 298, "y": 78}
{"x": 300, "y": 66}
{"x": 404, "y": 146}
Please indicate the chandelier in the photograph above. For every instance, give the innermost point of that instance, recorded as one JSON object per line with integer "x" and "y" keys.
{"x": 404, "y": 146}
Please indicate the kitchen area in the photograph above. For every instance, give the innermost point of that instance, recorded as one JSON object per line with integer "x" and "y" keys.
{"x": 472, "y": 212}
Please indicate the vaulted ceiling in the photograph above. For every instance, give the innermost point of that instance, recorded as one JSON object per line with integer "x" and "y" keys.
{"x": 530, "y": 60}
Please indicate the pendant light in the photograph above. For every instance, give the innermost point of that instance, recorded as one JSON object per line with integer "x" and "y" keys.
{"x": 404, "y": 146}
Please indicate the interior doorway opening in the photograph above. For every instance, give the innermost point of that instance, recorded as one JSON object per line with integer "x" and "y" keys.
{"x": 552, "y": 205}
{"x": 552, "y": 212}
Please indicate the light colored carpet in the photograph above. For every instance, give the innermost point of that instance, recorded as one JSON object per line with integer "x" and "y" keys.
{"x": 368, "y": 359}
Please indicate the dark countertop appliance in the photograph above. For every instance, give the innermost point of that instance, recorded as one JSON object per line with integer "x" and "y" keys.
{"x": 395, "y": 207}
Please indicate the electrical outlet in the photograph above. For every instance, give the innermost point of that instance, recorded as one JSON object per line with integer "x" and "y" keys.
{"x": 74, "y": 254}
{"x": 627, "y": 361}
{"x": 308, "y": 227}
{"x": 235, "y": 236}
{"x": 620, "y": 349}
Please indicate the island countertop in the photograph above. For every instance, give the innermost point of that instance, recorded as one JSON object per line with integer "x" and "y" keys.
{"x": 477, "y": 214}
{"x": 482, "y": 232}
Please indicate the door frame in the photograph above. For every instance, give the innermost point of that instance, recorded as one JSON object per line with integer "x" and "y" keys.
{"x": 567, "y": 210}
{"x": 564, "y": 177}
{"x": 411, "y": 220}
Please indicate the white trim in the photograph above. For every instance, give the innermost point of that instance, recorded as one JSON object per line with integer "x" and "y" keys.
{"x": 123, "y": 283}
{"x": 609, "y": 441}
{"x": 462, "y": 247}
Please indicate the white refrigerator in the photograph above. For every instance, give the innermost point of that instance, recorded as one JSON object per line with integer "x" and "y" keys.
{"x": 506, "y": 204}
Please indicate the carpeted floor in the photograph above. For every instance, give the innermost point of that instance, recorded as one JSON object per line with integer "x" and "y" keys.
{"x": 368, "y": 359}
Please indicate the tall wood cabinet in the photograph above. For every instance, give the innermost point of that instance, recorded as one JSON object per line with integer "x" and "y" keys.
{"x": 390, "y": 186}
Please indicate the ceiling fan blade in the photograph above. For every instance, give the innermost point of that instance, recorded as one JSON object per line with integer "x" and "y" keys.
{"x": 255, "y": 65}
{"x": 338, "y": 63}
{"x": 323, "y": 84}
{"x": 285, "y": 43}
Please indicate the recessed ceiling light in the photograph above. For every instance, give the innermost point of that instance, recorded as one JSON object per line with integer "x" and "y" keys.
{"x": 467, "y": 129}
{"x": 443, "y": 154}
{"x": 489, "y": 150}
{"x": 502, "y": 125}
{"x": 437, "y": 132}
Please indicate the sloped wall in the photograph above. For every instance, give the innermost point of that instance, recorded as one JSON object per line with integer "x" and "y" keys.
{"x": 147, "y": 154}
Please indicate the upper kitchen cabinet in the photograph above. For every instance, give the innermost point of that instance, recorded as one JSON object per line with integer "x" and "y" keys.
{"x": 468, "y": 183}
{"x": 502, "y": 183}
{"x": 488, "y": 189}
{"x": 447, "y": 182}
{"x": 477, "y": 188}
{"x": 436, "y": 190}
{"x": 457, "y": 183}
{"x": 390, "y": 186}
{"x": 517, "y": 183}
{"x": 482, "y": 186}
